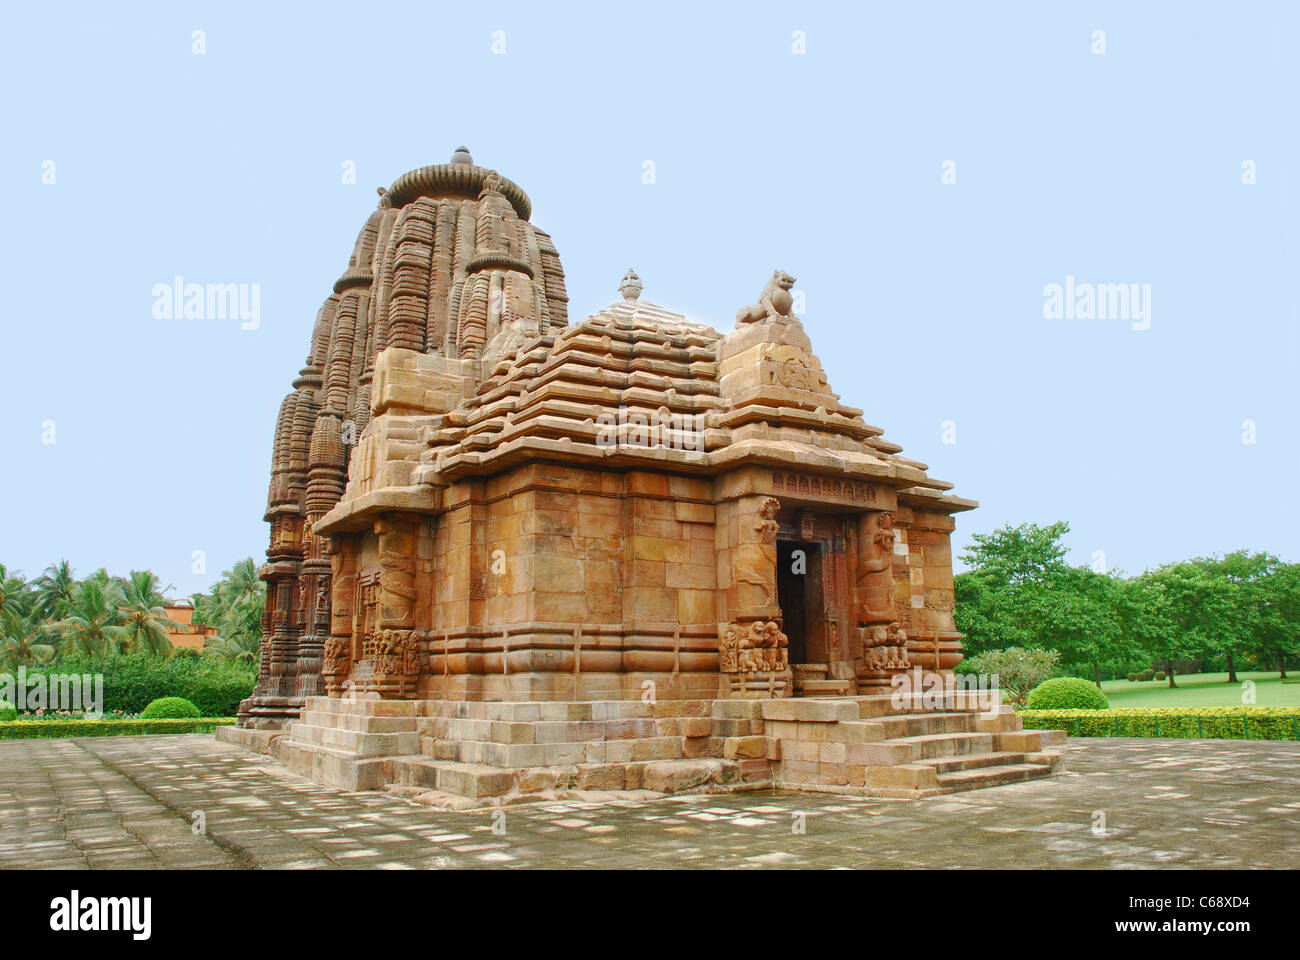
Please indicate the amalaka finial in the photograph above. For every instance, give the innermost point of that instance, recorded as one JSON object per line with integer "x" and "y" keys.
{"x": 462, "y": 156}
{"x": 631, "y": 286}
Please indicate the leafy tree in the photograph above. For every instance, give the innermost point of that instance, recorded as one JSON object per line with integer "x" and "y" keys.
{"x": 235, "y": 608}
{"x": 1018, "y": 669}
{"x": 1084, "y": 615}
{"x": 54, "y": 589}
{"x": 1000, "y": 600}
{"x": 1248, "y": 578}
{"x": 145, "y": 623}
{"x": 14, "y": 597}
{"x": 27, "y": 642}
{"x": 94, "y": 622}
{"x": 1276, "y": 634}
{"x": 1194, "y": 607}
{"x": 1015, "y": 555}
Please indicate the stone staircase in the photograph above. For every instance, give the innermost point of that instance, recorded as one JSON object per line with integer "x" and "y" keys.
{"x": 908, "y": 747}
{"x": 471, "y": 754}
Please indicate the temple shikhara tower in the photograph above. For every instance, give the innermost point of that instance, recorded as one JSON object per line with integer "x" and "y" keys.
{"x": 513, "y": 556}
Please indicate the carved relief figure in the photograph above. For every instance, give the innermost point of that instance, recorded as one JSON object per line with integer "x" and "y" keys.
{"x": 884, "y": 647}
{"x": 767, "y": 526}
{"x": 754, "y": 647}
{"x": 337, "y": 656}
{"x": 397, "y": 651}
{"x": 874, "y": 577}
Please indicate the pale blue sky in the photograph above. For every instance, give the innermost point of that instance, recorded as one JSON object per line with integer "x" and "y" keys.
{"x": 924, "y": 300}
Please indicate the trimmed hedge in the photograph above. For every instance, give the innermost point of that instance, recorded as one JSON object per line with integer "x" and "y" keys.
{"x": 1066, "y": 693}
{"x": 132, "y": 681}
{"x": 7, "y": 711}
{"x": 1214, "y": 723}
{"x": 170, "y": 708}
{"x": 28, "y": 729}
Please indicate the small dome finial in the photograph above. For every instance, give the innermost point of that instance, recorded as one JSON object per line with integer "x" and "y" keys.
{"x": 462, "y": 156}
{"x": 631, "y": 286}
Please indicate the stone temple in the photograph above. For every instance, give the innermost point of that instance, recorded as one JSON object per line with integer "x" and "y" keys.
{"x": 516, "y": 557}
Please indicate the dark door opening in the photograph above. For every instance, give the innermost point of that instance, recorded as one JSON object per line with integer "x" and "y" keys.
{"x": 799, "y": 593}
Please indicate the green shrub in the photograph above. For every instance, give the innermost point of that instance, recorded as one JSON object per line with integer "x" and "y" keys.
{"x": 8, "y": 711}
{"x": 1067, "y": 693}
{"x": 1132, "y": 678}
{"x": 1218, "y": 723}
{"x": 1160, "y": 675}
{"x": 1147, "y": 675}
{"x": 1018, "y": 669}
{"x": 132, "y": 681}
{"x": 28, "y": 729}
{"x": 170, "y": 708}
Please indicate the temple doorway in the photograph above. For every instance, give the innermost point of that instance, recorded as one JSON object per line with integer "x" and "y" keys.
{"x": 800, "y": 595}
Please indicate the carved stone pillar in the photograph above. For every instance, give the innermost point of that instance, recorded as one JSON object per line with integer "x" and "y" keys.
{"x": 398, "y": 653}
{"x": 337, "y": 655}
{"x": 753, "y": 651}
{"x": 881, "y": 638}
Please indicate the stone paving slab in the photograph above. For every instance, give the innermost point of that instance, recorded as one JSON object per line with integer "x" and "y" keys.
{"x": 131, "y": 801}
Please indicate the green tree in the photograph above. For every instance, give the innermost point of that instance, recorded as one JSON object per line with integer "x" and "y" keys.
{"x": 1001, "y": 599}
{"x": 1083, "y": 615}
{"x": 1276, "y": 634}
{"x": 1014, "y": 555}
{"x": 235, "y": 608}
{"x": 145, "y": 623}
{"x": 93, "y": 624}
{"x": 54, "y": 589}
{"x": 28, "y": 641}
{"x": 15, "y": 599}
{"x": 1248, "y": 576}
{"x": 1195, "y": 607}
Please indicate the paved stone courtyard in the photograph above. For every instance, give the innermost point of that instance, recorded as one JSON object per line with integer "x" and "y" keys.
{"x": 130, "y": 802}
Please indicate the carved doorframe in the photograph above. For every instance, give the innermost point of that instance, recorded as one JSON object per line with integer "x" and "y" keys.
{"x": 830, "y": 531}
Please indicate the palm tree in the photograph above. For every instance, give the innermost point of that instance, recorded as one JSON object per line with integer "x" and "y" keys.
{"x": 28, "y": 642}
{"x": 145, "y": 622}
{"x": 93, "y": 623}
{"x": 238, "y": 586}
{"x": 242, "y": 647}
{"x": 14, "y": 598}
{"x": 235, "y": 608}
{"x": 54, "y": 589}
{"x": 244, "y": 583}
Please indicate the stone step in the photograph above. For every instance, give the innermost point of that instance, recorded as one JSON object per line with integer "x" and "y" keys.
{"x": 916, "y": 724}
{"x": 825, "y": 688}
{"x": 973, "y": 761}
{"x": 355, "y": 742}
{"x": 992, "y": 776}
{"x": 933, "y": 745}
{"x": 450, "y": 776}
{"x": 1051, "y": 738}
{"x": 362, "y": 722}
{"x": 362, "y": 705}
{"x": 874, "y": 706}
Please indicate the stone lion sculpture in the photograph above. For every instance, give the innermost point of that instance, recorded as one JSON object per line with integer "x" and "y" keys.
{"x": 774, "y": 301}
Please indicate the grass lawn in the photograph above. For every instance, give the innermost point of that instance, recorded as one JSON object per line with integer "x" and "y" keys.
{"x": 1203, "y": 690}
